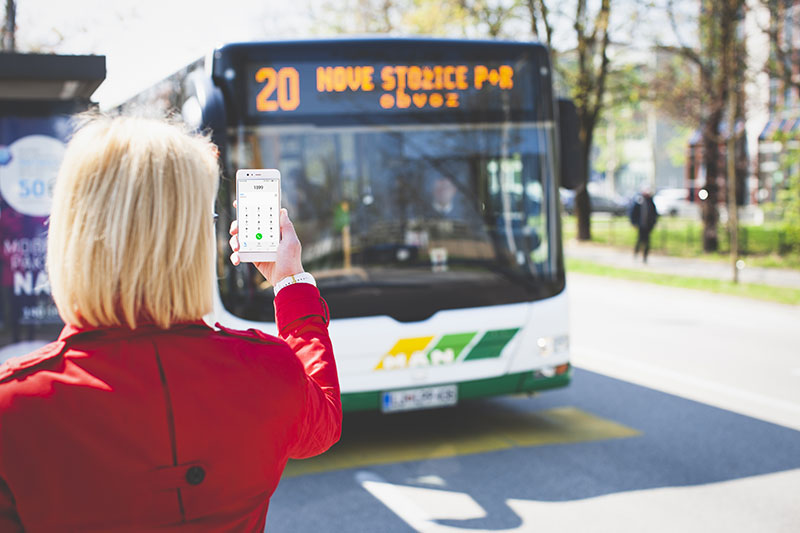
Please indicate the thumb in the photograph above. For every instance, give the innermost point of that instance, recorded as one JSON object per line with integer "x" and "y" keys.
{"x": 289, "y": 260}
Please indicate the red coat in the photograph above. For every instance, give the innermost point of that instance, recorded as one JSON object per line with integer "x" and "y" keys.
{"x": 187, "y": 429}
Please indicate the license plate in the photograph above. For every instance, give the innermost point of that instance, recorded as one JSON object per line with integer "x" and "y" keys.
{"x": 425, "y": 398}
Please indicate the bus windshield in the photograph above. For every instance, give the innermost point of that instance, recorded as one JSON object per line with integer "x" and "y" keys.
{"x": 408, "y": 220}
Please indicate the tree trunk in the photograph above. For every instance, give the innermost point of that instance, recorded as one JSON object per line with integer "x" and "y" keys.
{"x": 583, "y": 204}
{"x": 583, "y": 212}
{"x": 711, "y": 162}
{"x": 9, "y": 43}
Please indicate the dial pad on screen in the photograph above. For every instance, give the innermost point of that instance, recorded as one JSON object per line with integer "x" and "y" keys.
{"x": 258, "y": 215}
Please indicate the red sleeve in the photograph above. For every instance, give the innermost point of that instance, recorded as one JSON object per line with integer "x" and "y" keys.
{"x": 302, "y": 318}
{"x": 9, "y": 520}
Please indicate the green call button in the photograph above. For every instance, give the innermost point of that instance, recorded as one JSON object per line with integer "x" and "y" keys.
{"x": 258, "y": 236}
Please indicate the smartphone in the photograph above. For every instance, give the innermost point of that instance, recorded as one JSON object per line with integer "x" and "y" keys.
{"x": 258, "y": 207}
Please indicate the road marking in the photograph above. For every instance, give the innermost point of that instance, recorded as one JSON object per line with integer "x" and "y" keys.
{"x": 467, "y": 429}
{"x": 419, "y": 507}
{"x": 796, "y": 372}
{"x": 695, "y": 388}
{"x": 759, "y": 503}
{"x": 763, "y": 503}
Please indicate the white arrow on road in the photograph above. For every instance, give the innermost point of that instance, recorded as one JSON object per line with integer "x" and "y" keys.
{"x": 760, "y": 503}
{"x": 420, "y": 507}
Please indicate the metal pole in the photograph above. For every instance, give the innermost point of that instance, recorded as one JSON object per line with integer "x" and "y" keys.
{"x": 733, "y": 215}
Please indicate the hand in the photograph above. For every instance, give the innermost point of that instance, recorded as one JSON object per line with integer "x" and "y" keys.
{"x": 287, "y": 262}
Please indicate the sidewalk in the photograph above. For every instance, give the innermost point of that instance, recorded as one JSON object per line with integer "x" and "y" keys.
{"x": 680, "y": 266}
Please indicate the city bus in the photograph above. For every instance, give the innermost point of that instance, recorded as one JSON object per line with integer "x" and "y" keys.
{"x": 422, "y": 177}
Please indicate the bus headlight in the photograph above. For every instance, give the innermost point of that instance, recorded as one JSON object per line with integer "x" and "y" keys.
{"x": 553, "y": 345}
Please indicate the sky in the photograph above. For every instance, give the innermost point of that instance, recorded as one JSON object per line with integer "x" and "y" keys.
{"x": 146, "y": 40}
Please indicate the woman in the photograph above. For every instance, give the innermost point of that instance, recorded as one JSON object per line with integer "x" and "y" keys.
{"x": 141, "y": 417}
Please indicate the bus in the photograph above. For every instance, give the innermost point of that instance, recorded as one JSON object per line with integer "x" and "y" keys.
{"x": 422, "y": 176}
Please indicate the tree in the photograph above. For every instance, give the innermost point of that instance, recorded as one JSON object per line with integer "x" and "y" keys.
{"x": 782, "y": 50}
{"x": 492, "y": 18}
{"x": 783, "y": 56}
{"x": 623, "y": 120}
{"x": 787, "y": 202}
{"x": 585, "y": 69}
{"x": 358, "y": 16}
{"x": 718, "y": 66}
{"x": 8, "y": 41}
{"x": 587, "y": 81}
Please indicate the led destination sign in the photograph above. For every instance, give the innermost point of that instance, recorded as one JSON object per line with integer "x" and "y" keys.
{"x": 306, "y": 88}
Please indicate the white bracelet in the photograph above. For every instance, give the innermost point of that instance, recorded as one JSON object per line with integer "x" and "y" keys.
{"x": 302, "y": 277}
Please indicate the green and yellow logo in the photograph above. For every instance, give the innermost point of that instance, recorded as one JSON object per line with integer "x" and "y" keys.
{"x": 446, "y": 349}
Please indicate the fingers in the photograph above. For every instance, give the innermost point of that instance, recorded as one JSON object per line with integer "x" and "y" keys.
{"x": 287, "y": 227}
{"x": 234, "y": 226}
{"x": 234, "y": 244}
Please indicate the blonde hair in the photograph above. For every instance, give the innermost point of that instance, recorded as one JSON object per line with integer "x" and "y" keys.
{"x": 131, "y": 236}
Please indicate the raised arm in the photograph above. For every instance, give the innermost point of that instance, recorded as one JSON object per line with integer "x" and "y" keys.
{"x": 302, "y": 318}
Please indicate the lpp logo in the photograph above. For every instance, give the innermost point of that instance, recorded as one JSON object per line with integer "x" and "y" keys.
{"x": 446, "y": 349}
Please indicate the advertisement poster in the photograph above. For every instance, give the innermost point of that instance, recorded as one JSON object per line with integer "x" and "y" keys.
{"x": 31, "y": 149}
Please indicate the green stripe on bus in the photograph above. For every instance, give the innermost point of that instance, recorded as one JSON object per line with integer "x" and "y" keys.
{"x": 449, "y": 347}
{"x": 507, "y": 384}
{"x": 492, "y": 344}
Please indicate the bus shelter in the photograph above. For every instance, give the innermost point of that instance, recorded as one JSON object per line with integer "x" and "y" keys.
{"x": 38, "y": 94}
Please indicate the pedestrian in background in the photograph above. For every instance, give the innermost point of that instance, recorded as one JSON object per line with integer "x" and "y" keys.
{"x": 141, "y": 417}
{"x": 643, "y": 216}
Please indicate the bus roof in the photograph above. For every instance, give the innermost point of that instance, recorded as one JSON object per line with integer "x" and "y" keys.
{"x": 387, "y": 48}
{"x": 377, "y": 41}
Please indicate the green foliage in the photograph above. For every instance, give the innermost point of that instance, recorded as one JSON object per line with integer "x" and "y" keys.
{"x": 623, "y": 118}
{"x": 766, "y": 245}
{"x": 787, "y": 202}
{"x": 429, "y": 17}
{"x": 676, "y": 146}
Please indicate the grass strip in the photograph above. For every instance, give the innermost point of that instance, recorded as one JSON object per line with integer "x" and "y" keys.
{"x": 784, "y": 295}
{"x": 681, "y": 237}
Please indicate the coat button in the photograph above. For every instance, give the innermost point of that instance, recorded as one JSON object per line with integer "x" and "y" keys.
{"x": 195, "y": 475}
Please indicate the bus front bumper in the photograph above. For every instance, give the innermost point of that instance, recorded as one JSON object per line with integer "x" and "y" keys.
{"x": 523, "y": 382}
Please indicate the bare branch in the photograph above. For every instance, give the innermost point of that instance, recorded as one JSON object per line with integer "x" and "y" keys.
{"x": 684, "y": 51}
{"x": 602, "y": 23}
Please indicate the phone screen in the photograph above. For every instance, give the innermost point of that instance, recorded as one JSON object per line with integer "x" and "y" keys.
{"x": 259, "y": 209}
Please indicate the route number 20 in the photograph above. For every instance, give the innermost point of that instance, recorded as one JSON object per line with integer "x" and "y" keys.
{"x": 281, "y": 89}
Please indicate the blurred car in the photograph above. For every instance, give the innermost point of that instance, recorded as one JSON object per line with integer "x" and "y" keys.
{"x": 673, "y": 202}
{"x": 616, "y": 205}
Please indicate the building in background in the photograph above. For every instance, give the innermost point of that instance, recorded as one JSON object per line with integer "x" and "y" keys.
{"x": 634, "y": 143}
{"x": 777, "y": 104}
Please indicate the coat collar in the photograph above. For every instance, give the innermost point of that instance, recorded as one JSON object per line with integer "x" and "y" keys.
{"x": 70, "y": 331}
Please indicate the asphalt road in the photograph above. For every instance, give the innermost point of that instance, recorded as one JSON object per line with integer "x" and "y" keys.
{"x": 736, "y": 353}
{"x": 699, "y": 433}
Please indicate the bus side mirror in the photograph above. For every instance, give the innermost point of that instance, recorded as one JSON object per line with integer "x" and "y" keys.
{"x": 573, "y": 172}
{"x": 204, "y": 107}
